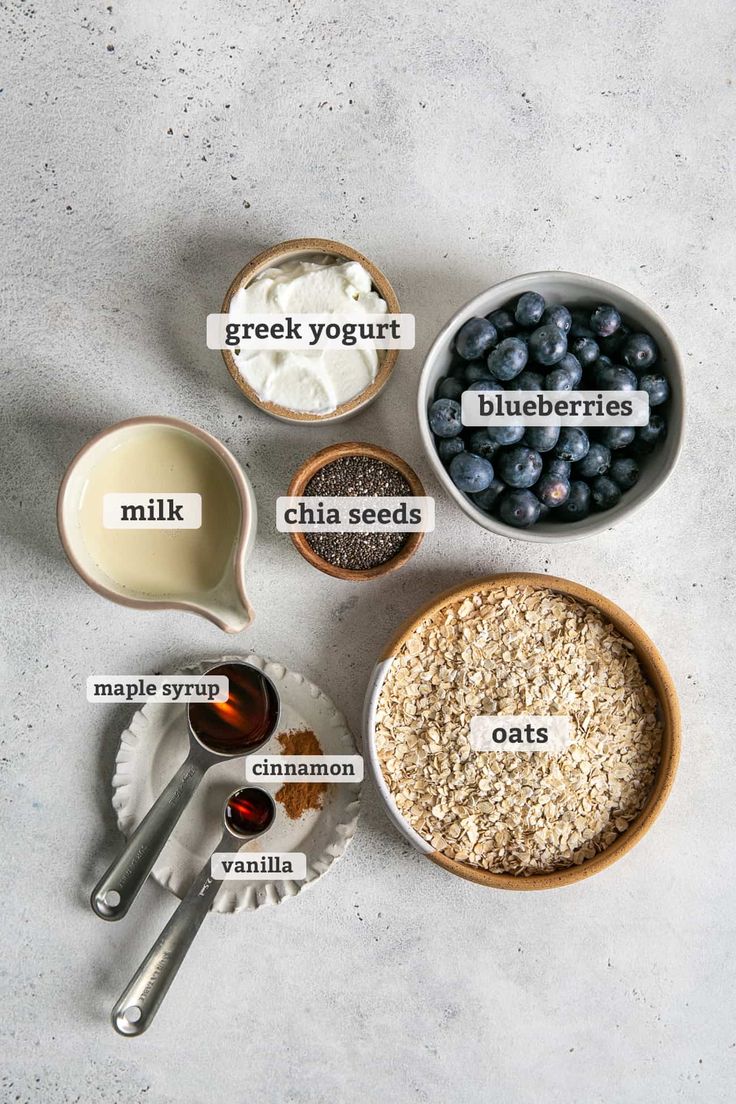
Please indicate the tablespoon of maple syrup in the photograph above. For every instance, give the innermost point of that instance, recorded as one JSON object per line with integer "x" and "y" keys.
{"x": 245, "y": 720}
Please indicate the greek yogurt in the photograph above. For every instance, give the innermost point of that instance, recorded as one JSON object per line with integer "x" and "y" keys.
{"x": 311, "y": 381}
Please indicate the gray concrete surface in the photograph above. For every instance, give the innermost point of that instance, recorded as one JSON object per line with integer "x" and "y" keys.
{"x": 148, "y": 151}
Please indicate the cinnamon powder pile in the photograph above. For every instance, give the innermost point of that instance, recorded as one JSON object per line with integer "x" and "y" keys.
{"x": 298, "y": 797}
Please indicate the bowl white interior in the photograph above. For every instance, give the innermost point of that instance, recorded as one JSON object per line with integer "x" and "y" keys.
{"x": 573, "y": 290}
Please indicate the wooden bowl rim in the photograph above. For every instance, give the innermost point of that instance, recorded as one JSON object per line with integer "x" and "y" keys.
{"x": 320, "y": 460}
{"x": 656, "y": 672}
{"x": 382, "y": 284}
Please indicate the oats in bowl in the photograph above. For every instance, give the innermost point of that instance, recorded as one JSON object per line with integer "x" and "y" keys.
{"x": 518, "y": 650}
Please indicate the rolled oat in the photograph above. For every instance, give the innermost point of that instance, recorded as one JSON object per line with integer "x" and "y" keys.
{"x": 518, "y": 650}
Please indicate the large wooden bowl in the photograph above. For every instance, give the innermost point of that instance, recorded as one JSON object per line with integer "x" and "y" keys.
{"x": 656, "y": 672}
{"x": 301, "y": 247}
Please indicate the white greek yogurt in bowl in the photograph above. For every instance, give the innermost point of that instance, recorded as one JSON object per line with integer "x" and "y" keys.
{"x": 309, "y": 381}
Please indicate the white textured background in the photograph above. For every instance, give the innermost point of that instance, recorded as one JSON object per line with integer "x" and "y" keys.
{"x": 149, "y": 150}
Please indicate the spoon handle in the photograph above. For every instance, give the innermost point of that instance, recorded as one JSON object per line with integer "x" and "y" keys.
{"x": 119, "y": 886}
{"x": 141, "y": 998}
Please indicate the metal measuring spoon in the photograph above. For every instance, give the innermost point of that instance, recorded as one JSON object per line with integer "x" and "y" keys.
{"x": 248, "y": 813}
{"x": 217, "y": 731}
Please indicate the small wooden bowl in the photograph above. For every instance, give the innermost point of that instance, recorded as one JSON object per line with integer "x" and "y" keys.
{"x": 653, "y": 667}
{"x": 326, "y": 456}
{"x": 387, "y": 357}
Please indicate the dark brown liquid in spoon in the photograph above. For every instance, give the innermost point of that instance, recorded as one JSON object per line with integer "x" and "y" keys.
{"x": 249, "y": 811}
{"x": 247, "y": 718}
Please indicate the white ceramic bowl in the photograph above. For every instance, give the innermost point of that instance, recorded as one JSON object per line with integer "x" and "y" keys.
{"x": 573, "y": 290}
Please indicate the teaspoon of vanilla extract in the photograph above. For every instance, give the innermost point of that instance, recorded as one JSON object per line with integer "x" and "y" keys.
{"x": 248, "y": 813}
{"x": 217, "y": 731}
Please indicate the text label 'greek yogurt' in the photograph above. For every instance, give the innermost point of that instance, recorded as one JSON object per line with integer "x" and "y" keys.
{"x": 522, "y": 733}
{"x": 258, "y": 866}
{"x": 569, "y": 408}
{"x": 303, "y": 768}
{"x": 158, "y": 688}
{"x": 356, "y": 514}
{"x": 310, "y": 331}
{"x": 151, "y": 510}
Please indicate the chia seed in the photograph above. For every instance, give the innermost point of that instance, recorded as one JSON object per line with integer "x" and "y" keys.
{"x": 354, "y": 476}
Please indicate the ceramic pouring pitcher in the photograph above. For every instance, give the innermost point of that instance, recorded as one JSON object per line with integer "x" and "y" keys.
{"x": 225, "y": 603}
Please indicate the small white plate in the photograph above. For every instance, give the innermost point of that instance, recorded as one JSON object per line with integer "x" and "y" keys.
{"x": 156, "y": 743}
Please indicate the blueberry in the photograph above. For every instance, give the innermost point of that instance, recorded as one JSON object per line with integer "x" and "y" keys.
{"x": 519, "y": 466}
{"x": 614, "y": 377}
{"x": 624, "y": 472}
{"x": 547, "y": 345}
{"x": 542, "y": 438}
{"x": 580, "y": 325}
{"x": 560, "y": 468}
{"x": 505, "y": 434}
{"x": 458, "y": 368}
{"x": 559, "y": 379}
{"x": 543, "y": 511}
{"x": 604, "y": 492}
{"x": 639, "y": 351}
{"x": 476, "y": 338}
{"x": 486, "y": 499}
{"x": 559, "y": 316}
{"x": 656, "y": 387}
{"x": 485, "y": 384}
{"x": 503, "y": 320}
{"x": 605, "y": 320}
{"x": 648, "y": 436}
{"x": 450, "y": 388}
{"x": 585, "y": 349}
{"x": 480, "y": 444}
{"x": 573, "y": 367}
{"x": 519, "y": 508}
{"x": 529, "y": 309}
{"x": 552, "y": 490}
{"x": 616, "y": 437}
{"x": 508, "y": 359}
{"x": 603, "y": 361}
{"x": 475, "y": 370}
{"x": 470, "y": 473}
{"x": 612, "y": 345}
{"x": 444, "y": 418}
{"x": 447, "y": 447}
{"x": 527, "y": 381}
{"x": 578, "y": 502}
{"x": 573, "y": 444}
{"x": 596, "y": 461}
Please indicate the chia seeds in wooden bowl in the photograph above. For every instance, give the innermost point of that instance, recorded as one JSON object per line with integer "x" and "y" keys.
{"x": 346, "y": 477}
{"x": 356, "y": 470}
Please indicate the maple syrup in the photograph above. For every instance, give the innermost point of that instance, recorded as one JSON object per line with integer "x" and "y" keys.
{"x": 245, "y": 720}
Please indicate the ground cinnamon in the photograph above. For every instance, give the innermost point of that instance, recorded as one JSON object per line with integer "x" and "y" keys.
{"x": 297, "y": 797}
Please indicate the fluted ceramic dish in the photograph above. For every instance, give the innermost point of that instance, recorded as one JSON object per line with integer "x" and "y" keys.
{"x": 155, "y": 743}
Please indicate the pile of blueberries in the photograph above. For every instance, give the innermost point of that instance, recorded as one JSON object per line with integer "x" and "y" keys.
{"x": 524, "y": 475}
